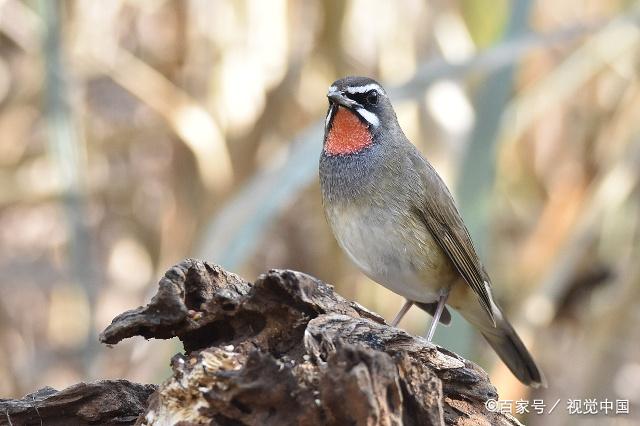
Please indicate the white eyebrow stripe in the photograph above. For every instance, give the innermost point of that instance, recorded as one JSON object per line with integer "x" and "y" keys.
{"x": 369, "y": 116}
{"x": 364, "y": 89}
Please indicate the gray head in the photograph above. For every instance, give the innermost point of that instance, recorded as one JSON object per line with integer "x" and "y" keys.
{"x": 366, "y": 98}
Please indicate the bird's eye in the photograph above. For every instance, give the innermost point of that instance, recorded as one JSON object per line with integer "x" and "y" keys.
{"x": 372, "y": 97}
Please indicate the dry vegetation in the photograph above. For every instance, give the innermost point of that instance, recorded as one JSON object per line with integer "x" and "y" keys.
{"x": 136, "y": 133}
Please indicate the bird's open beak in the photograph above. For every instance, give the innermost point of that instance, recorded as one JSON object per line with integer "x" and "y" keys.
{"x": 337, "y": 97}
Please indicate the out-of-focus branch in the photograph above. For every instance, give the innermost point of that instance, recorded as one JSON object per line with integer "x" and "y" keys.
{"x": 20, "y": 24}
{"x": 613, "y": 41}
{"x": 191, "y": 122}
{"x": 238, "y": 227}
{"x": 504, "y": 54}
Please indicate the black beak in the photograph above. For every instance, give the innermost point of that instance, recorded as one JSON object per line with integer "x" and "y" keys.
{"x": 337, "y": 97}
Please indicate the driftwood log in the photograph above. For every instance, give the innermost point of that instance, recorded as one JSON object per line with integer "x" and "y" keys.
{"x": 286, "y": 350}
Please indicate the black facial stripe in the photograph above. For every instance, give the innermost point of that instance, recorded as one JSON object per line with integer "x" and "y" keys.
{"x": 331, "y": 115}
{"x": 360, "y": 98}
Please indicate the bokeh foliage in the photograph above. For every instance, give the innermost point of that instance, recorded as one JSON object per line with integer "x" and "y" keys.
{"x": 136, "y": 133}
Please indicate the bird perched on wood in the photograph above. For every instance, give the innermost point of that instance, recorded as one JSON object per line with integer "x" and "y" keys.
{"x": 395, "y": 218}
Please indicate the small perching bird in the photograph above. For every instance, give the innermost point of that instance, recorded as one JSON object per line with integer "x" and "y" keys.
{"x": 395, "y": 218}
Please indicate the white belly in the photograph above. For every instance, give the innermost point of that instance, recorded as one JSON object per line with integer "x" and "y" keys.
{"x": 402, "y": 257}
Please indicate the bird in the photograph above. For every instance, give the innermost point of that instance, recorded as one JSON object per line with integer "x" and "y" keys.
{"x": 394, "y": 217}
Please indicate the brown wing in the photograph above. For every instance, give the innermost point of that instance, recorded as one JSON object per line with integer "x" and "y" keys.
{"x": 443, "y": 220}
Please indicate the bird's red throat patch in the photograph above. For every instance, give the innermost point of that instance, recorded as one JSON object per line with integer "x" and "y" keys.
{"x": 347, "y": 134}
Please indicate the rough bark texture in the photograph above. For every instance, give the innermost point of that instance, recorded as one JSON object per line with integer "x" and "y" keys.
{"x": 288, "y": 350}
{"x": 106, "y": 402}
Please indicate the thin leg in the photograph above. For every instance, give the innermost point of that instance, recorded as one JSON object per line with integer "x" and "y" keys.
{"x": 436, "y": 317}
{"x": 403, "y": 311}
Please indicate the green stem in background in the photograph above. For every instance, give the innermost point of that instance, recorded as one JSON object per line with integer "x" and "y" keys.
{"x": 477, "y": 172}
{"x": 68, "y": 154}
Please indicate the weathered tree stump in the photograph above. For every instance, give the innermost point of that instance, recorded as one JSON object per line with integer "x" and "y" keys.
{"x": 106, "y": 402}
{"x": 287, "y": 350}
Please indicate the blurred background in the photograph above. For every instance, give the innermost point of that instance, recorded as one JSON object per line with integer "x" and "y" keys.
{"x": 134, "y": 134}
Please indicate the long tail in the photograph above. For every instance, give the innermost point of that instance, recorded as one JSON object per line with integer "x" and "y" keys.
{"x": 507, "y": 344}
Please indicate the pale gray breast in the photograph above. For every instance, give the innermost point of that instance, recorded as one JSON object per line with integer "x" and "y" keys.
{"x": 370, "y": 212}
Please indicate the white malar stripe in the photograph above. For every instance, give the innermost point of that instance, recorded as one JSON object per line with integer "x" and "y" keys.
{"x": 364, "y": 89}
{"x": 330, "y": 113}
{"x": 369, "y": 116}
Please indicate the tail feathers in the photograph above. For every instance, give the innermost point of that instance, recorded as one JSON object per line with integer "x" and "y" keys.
{"x": 507, "y": 344}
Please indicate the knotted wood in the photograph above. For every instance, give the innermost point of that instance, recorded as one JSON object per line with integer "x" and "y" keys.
{"x": 288, "y": 350}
